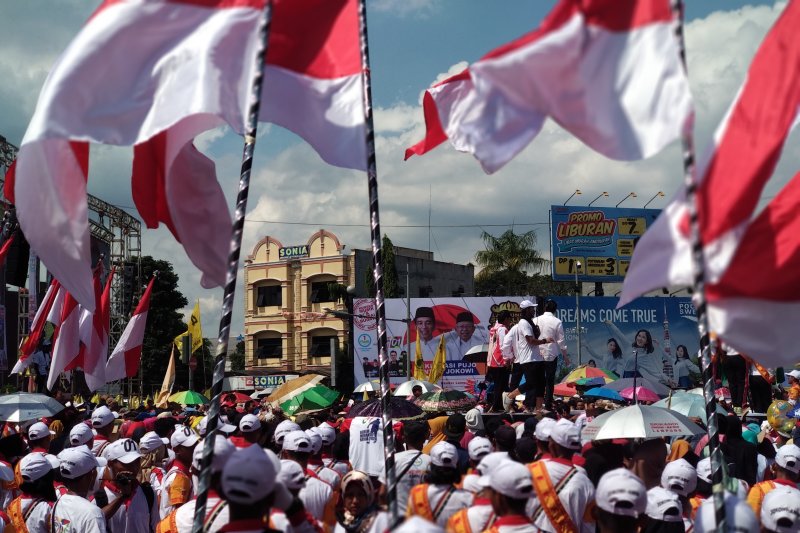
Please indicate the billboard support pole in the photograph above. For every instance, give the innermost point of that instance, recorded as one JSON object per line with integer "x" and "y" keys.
{"x": 408, "y": 323}
{"x": 578, "y": 311}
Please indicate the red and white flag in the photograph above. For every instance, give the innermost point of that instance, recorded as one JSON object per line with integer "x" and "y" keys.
{"x": 125, "y": 359}
{"x": 167, "y": 71}
{"x": 607, "y": 71}
{"x": 94, "y": 332}
{"x": 67, "y": 339}
{"x": 747, "y": 146}
{"x": 31, "y": 342}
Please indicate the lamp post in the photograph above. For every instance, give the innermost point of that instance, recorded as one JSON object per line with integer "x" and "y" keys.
{"x": 630, "y": 195}
{"x": 577, "y": 191}
{"x": 578, "y": 310}
{"x": 604, "y": 193}
{"x": 659, "y": 193}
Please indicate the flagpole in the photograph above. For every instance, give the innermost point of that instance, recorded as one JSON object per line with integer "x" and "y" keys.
{"x": 707, "y": 343}
{"x": 377, "y": 265}
{"x": 233, "y": 266}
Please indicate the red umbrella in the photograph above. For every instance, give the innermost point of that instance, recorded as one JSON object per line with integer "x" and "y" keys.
{"x": 237, "y": 397}
{"x": 564, "y": 389}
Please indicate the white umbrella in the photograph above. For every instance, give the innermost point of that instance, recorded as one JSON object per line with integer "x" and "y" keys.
{"x": 627, "y": 383}
{"x": 257, "y": 395}
{"x": 404, "y": 389}
{"x": 23, "y": 406}
{"x": 688, "y": 404}
{"x": 369, "y": 386}
{"x": 639, "y": 422}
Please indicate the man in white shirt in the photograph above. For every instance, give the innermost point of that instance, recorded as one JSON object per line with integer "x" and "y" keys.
{"x": 317, "y": 496}
{"x": 425, "y": 322}
{"x": 72, "y": 512}
{"x": 463, "y": 337}
{"x": 130, "y": 506}
{"x": 411, "y": 463}
{"x": 40, "y": 360}
{"x": 528, "y": 360}
{"x": 498, "y": 363}
{"x": 103, "y": 425}
{"x": 551, "y": 327}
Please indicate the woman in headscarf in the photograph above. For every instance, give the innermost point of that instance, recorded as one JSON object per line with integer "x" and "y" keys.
{"x": 360, "y": 507}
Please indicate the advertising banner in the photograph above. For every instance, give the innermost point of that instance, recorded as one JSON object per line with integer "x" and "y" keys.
{"x": 601, "y": 239}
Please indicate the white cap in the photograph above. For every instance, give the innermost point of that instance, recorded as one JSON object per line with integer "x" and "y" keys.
{"x": 292, "y": 475}
{"x": 664, "y": 505}
{"x": 36, "y": 465}
{"x": 80, "y": 434}
{"x": 297, "y": 441}
{"x": 78, "y": 461}
{"x": 524, "y": 304}
{"x": 102, "y": 416}
{"x": 680, "y": 477}
{"x": 620, "y": 492}
{"x": 327, "y": 433}
{"x": 183, "y": 436}
{"x": 248, "y": 476}
{"x": 122, "y": 450}
{"x": 249, "y": 423}
{"x": 445, "y": 455}
{"x": 39, "y": 430}
{"x": 566, "y": 434}
{"x": 223, "y": 449}
{"x": 739, "y": 516}
{"x": 511, "y": 479}
{"x": 478, "y": 447}
{"x": 491, "y": 461}
{"x": 794, "y": 373}
{"x": 788, "y": 457}
{"x": 704, "y": 469}
{"x": 202, "y": 426}
{"x": 315, "y": 440}
{"x": 543, "y": 428}
{"x": 780, "y": 510}
{"x": 150, "y": 441}
{"x": 283, "y": 429}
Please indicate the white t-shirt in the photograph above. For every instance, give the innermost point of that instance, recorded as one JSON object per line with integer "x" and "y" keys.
{"x": 380, "y": 524}
{"x": 574, "y": 496}
{"x": 39, "y": 518}
{"x": 73, "y": 514}
{"x": 184, "y": 516}
{"x": 551, "y": 327}
{"x": 525, "y": 353}
{"x": 366, "y": 445}
{"x": 134, "y": 515}
{"x": 315, "y": 497}
{"x": 413, "y": 475}
{"x": 42, "y": 361}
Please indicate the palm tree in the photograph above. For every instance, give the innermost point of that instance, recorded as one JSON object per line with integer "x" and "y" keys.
{"x": 507, "y": 259}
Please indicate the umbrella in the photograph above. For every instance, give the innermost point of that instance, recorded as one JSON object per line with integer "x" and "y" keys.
{"x": 257, "y": 395}
{"x": 399, "y": 409}
{"x": 404, "y": 389}
{"x": 591, "y": 382}
{"x": 294, "y": 386}
{"x": 585, "y": 371}
{"x": 369, "y": 386}
{"x": 564, "y": 389}
{"x": 476, "y": 354}
{"x": 24, "y": 406}
{"x": 603, "y": 392}
{"x": 688, "y": 404}
{"x": 642, "y": 393}
{"x": 445, "y": 400}
{"x": 639, "y": 422}
{"x": 313, "y": 399}
{"x": 626, "y": 383}
{"x": 238, "y": 397}
{"x": 189, "y": 397}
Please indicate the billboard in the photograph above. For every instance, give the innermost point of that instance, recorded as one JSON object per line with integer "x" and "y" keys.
{"x": 670, "y": 321}
{"x": 600, "y": 238}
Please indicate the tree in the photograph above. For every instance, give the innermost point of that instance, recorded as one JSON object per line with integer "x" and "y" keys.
{"x": 520, "y": 284}
{"x": 237, "y": 358}
{"x": 391, "y": 287}
{"x": 507, "y": 259}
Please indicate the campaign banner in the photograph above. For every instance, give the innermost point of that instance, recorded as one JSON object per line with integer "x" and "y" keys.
{"x": 599, "y": 239}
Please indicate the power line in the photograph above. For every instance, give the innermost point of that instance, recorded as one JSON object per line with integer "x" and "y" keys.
{"x": 329, "y": 225}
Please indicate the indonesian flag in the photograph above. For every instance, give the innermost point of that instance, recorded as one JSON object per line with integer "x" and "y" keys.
{"x": 747, "y": 146}
{"x": 94, "y": 332}
{"x": 157, "y": 74}
{"x": 124, "y": 360}
{"x": 31, "y": 342}
{"x": 68, "y": 341}
{"x": 608, "y": 71}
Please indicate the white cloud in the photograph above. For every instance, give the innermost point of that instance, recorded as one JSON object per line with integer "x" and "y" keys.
{"x": 404, "y": 8}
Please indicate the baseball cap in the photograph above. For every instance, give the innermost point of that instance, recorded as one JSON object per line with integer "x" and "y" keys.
{"x": 292, "y": 475}
{"x": 505, "y": 437}
{"x": 39, "y": 430}
{"x": 202, "y": 426}
{"x": 249, "y": 423}
{"x": 223, "y": 449}
{"x": 794, "y": 373}
{"x": 510, "y": 479}
{"x": 122, "y": 450}
{"x": 543, "y": 428}
{"x": 150, "y": 441}
{"x": 456, "y": 426}
{"x": 445, "y": 455}
{"x": 478, "y": 447}
{"x": 80, "y": 434}
{"x": 566, "y": 434}
{"x": 78, "y": 461}
{"x": 680, "y": 477}
{"x": 490, "y": 461}
{"x": 780, "y": 510}
{"x": 327, "y": 434}
{"x": 102, "y": 416}
{"x": 36, "y": 465}
{"x": 183, "y": 436}
{"x": 283, "y": 429}
{"x": 664, "y": 505}
{"x": 739, "y": 516}
{"x": 621, "y": 492}
{"x": 297, "y": 441}
{"x": 315, "y": 440}
{"x": 248, "y": 476}
{"x": 417, "y": 524}
{"x": 524, "y": 304}
{"x": 704, "y": 469}
{"x": 788, "y": 457}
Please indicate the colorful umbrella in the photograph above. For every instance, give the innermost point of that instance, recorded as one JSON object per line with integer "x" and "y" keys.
{"x": 24, "y": 406}
{"x": 399, "y": 409}
{"x": 445, "y": 400}
{"x": 642, "y": 394}
{"x": 639, "y": 422}
{"x": 313, "y": 399}
{"x": 188, "y": 397}
{"x": 404, "y": 389}
{"x": 591, "y": 382}
{"x": 294, "y": 386}
{"x": 586, "y": 371}
{"x": 626, "y": 383}
{"x": 602, "y": 392}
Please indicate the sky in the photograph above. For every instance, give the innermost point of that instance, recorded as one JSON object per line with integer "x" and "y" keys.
{"x": 413, "y": 43}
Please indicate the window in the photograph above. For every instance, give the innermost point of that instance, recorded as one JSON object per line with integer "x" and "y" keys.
{"x": 321, "y": 345}
{"x": 268, "y": 295}
{"x": 269, "y": 349}
{"x": 320, "y": 293}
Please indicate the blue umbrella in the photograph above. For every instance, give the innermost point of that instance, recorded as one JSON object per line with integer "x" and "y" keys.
{"x": 602, "y": 392}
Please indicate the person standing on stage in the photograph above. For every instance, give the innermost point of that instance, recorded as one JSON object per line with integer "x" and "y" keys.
{"x": 551, "y": 327}
{"x": 498, "y": 367}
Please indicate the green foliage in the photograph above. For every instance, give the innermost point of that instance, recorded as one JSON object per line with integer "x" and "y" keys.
{"x": 237, "y": 358}
{"x": 391, "y": 287}
{"x": 510, "y": 252}
{"x": 520, "y": 284}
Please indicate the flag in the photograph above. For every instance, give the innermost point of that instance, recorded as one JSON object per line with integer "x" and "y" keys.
{"x": 95, "y": 329}
{"x": 125, "y": 359}
{"x": 34, "y": 338}
{"x": 67, "y": 343}
{"x": 607, "y": 71}
{"x": 193, "y": 328}
{"x": 439, "y": 365}
{"x": 169, "y": 376}
{"x": 419, "y": 363}
{"x": 747, "y": 146}
{"x": 155, "y": 75}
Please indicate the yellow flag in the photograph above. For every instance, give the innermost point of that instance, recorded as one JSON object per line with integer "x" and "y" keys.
{"x": 95, "y": 399}
{"x": 419, "y": 363}
{"x": 169, "y": 377}
{"x": 439, "y": 364}
{"x": 135, "y": 402}
{"x": 193, "y": 328}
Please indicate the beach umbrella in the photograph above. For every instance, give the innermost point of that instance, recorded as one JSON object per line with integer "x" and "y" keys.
{"x": 399, "y": 409}
{"x": 313, "y": 399}
{"x": 293, "y": 387}
{"x": 642, "y": 394}
{"x": 584, "y": 372}
{"x": 603, "y": 392}
{"x": 188, "y": 397}
{"x": 445, "y": 400}
{"x": 24, "y": 406}
{"x": 404, "y": 389}
{"x": 626, "y": 383}
{"x": 639, "y": 422}
{"x": 687, "y": 404}
{"x": 369, "y": 386}
{"x": 257, "y": 395}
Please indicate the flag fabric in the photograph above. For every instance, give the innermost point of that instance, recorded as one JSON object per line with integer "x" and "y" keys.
{"x": 747, "y": 146}
{"x": 34, "y": 338}
{"x": 193, "y": 328}
{"x": 95, "y": 329}
{"x": 68, "y": 342}
{"x": 607, "y": 71}
{"x": 157, "y": 74}
{"x": 169, "y": 376}
{"x": 439, "y": 362}
{"x": 125, "y": 359}
{"x": 419, "y": 363}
